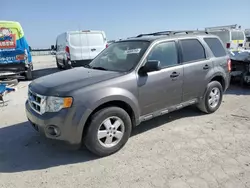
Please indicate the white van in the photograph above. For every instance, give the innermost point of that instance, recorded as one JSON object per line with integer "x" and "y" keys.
{"x": 78, "y": 48}
{"x": 233, "y": 38}
{"x": 247, "y": 33}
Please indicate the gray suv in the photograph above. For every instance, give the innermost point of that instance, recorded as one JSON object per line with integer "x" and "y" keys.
{"x": 131, "y": 81}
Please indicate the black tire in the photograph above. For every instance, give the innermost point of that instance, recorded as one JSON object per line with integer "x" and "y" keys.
{"x": 90, "y": 136}
{"x": 66, "y": 65}
{"x": 28, "y": 74}
{"x": 204, "y": 105}
{"x": 58, "y": 65}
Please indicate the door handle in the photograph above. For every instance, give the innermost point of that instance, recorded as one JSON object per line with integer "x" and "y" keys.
{"x": 206, "y": 67}
{"x": 174, "y": 75}
{"x": 93, "y": 49}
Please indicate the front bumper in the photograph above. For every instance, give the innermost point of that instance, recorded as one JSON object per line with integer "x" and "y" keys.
{"x": 68, "y": 122}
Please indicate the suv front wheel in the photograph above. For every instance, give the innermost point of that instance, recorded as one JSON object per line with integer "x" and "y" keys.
{"x": 212, "y": 98}
{"x": 108, "y": 131}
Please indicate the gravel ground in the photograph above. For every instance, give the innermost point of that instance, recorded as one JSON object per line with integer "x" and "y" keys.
{"x": 182, "y": 149}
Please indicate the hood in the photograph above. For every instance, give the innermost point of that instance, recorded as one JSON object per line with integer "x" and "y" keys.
{"x": 61, "y": 83}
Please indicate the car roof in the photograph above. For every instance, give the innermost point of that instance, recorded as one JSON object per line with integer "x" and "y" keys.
{"x": 152, "y": 38}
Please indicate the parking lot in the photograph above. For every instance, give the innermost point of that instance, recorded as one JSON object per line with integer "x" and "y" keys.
{"x": 181, "y": 149}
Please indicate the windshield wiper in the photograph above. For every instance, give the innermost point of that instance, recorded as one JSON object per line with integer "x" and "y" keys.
{"x": 98, "y": 68}
{"x": 87, "y": 66}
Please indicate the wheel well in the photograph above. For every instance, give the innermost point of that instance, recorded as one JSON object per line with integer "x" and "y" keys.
{"x": 119, "y": 104}
{"x": 221, "y": 80}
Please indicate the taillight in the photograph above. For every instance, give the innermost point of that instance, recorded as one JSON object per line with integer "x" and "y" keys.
{"x": 67, "y": 52}
{"x": 229, "y": 65}
{"x": 67, "y": 49}
{"x": 228, "y": 45}
{"x": 107, "y": 45}
{"x": 20, "y": 57}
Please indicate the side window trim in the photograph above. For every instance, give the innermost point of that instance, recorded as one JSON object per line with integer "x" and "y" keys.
{"x": 177, "y": 54}
{"x": 194, "y": 61}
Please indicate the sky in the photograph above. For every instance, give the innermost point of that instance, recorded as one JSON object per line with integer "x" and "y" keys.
{"x": 43, "y": 20}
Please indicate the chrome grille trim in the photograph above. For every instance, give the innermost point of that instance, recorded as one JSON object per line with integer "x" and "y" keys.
{"x": 37, "y": 102}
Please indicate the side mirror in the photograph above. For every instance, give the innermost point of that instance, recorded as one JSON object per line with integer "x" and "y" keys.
{"x": 30, "y": 49}
{"x": 151, "y": 66}
{"x": 52, "y": 47}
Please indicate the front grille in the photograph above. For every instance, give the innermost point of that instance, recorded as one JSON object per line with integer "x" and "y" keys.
{"x": 36, "y": 101}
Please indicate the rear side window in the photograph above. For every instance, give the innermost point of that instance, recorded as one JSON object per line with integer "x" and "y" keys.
{"x": 216, "y": 47}
{"x": 95, "y": 39}
{"x": 166, "y": 53}
{"x": 192, "y": 50}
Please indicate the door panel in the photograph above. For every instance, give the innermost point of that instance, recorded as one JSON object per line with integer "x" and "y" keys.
{"x": 195, "y": 79}
{"x": 79, "y": 48}
{"x": 161, "y": 89}
{"x": 196, "y": 68}
{"x": 97, "y": 43}
{"x": 158, "y": 90}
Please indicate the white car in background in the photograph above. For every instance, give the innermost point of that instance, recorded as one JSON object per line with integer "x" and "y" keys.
{"x": 233, "y": 37}
{"x": 78, "y": 48}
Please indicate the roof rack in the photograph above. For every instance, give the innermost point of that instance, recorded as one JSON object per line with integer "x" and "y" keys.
{"x": 172, "y": 33}
{"x": 221, "y": 27}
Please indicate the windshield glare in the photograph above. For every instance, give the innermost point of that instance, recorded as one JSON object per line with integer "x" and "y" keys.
{"x": 120, "y": 56}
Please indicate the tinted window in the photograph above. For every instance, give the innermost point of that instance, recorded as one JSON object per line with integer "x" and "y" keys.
{"x": 166, "y": 53}
{"x": 192, "y": 50}
{"x": 216, "y": 47}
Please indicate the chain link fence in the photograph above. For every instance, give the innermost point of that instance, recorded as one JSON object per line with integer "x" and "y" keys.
{"x": 40, "y": 53}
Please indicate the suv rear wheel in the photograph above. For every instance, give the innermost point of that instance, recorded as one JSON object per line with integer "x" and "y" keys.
{"x": 108, "y": 131}
{"x": 212, "y": 98}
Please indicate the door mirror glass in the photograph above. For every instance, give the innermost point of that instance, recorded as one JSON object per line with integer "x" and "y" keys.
{"x": 30, "y": 49}
{"x": 52, "y": 47}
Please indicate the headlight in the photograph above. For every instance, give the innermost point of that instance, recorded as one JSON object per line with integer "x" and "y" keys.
{"x": 55, "y": 104}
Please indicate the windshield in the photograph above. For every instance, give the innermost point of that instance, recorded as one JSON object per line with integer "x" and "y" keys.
{"x": 120, "y": 56}
{"x": 238, "y": 35}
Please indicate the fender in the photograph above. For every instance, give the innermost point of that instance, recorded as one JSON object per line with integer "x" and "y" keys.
{"x": 94, "y": 98}
{"x": 115, "y": 94}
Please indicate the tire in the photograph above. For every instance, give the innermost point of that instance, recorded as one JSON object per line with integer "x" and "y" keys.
{"x": 205, "y": 106}
{"x": 91, "y": 139}
{"x": 58, "y": 65}
{"x": 66, "y": 65}
{"x": 28, "y": 74}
